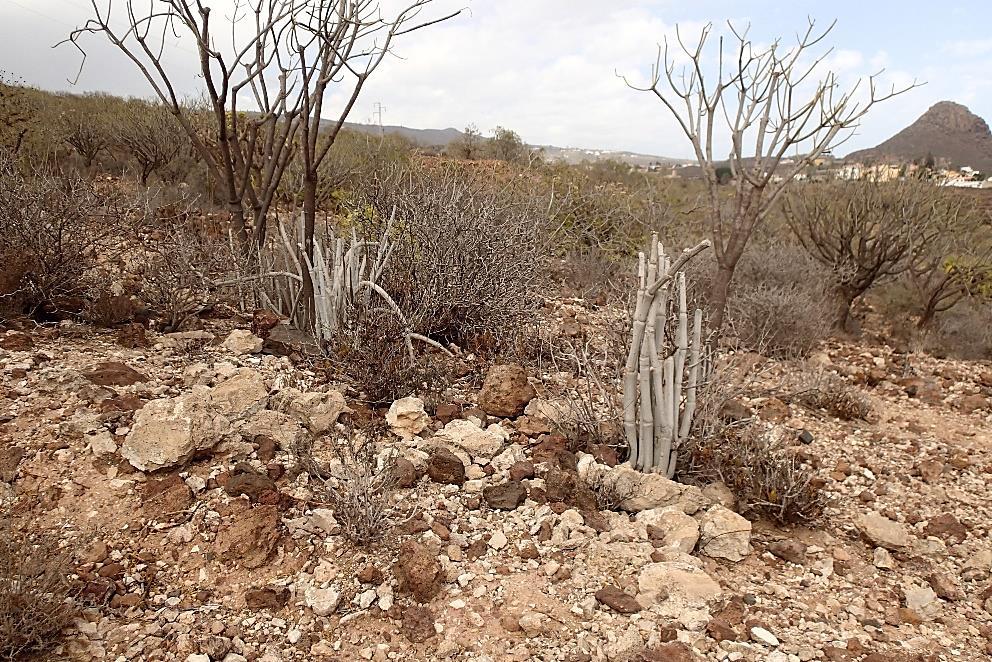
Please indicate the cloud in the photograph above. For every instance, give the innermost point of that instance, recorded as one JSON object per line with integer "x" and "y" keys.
{"x": 545, "y": 68}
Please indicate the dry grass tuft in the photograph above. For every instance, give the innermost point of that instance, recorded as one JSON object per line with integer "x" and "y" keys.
{"x": 359, "y": 486}
{"x": 831, "y": 393}
{"x": 35, "y": 594}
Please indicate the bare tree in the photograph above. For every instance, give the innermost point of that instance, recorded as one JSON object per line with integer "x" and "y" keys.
{"x": 18, "y": 114}
{"x": 770, "y": 103}
{"x": 334, "y": 42}
{"x": 867, "y": 231}
{"x": 957, "y": 265}
{"x": 250, "y": 151}
{"x": 83, "y": 125}
{"x": 150, "y": 134}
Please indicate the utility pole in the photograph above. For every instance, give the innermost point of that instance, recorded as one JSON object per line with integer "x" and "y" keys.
{"x": 377, "y": 113}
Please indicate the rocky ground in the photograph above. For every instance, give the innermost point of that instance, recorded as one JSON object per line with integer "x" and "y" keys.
{"x": 167, "y": 465}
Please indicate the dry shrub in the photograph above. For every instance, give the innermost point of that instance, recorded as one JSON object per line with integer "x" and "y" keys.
{"x": 592, "y": 273}
{"x": 963, "y": 333}
{"x": 53, "y": 229}
{"x": 781, "y": 301}
{"x": 107, "y": 309}
{"x": 35, "y": 593}
{"x": 465, "y": 259}
{"x": 829, "y": 392}
{"x": 179, "y": 271}
{"x": 359, "y": 485}
{"x": 764, "y": 474}
{"x": 373, "y": 356}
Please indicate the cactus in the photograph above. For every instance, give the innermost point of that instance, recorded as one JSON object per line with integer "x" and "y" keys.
{"x": 659, "y": 394}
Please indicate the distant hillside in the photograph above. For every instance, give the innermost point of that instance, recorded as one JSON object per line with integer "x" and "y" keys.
{"x": 947, "y": 130}
{"x": 441, "y": 138}
{"x": 423, "y": 137}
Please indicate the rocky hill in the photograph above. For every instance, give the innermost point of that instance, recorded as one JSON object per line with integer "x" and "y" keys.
{"x": 947, "y": 130}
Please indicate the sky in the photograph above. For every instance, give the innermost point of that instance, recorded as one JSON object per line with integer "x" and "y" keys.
{"x": 551, "y": 69}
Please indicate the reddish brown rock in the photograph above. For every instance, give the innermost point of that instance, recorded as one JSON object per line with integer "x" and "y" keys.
{"x": 418, "y": 571}
{"x": 166, "y": 496}
{"x": 258, "y": 488}
{"x": 418, "y": 624}
{"x": 405, "y": 473}
{"x": 267, "y": 597}
{"x": 16, "y": 341}
{"x": 506, "y": 391}
{"x": 620, "y": 602}
{"x": 263, "y": 321}
{"x": 114, "y": 373}
{"x": 522, "y": 470}
{"x": 445, "y": 467}
{"x": 947, "y": 527}
{"x": 132, "y": 336}
{"x": 249, "y": 535}
{"x": 508, "y": 496}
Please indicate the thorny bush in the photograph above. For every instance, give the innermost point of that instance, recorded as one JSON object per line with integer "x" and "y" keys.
{"x": 359, "y": 485}
{"x": 35, "y": 593}
{"x": 54, "y": 227}
{"x": 466, "y": 252}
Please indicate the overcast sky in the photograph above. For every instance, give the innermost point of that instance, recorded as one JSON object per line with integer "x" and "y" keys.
{"x": 548, "y": 68}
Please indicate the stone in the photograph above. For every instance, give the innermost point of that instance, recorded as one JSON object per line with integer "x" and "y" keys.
{"x": 285, "y": 340}
{"x": 676, "y": 530}
{"x": 249, "y": 536}
{"x": 267, "y": 597}
{"x": 167, "y": 496}
{"x": 263, "y": 321}
{"x": 721, "y": 630}
{"x": 883, "y": 532}
{"x": 508, "y": 496}
{"x": 882, "y": 559}
{"x": 285, "y": 430}
{"x": 506, "y": 391}
{"x": 930, "y": 470}
{"x": 168, "y": 431}
{"x": 620, "y": 602}
{"x": 944, "y": 587}
{"x": 763, "y": 636}
{"x": 773, "y": 410}
{"x": 792, "y": 551}
{"x": 973, "y": 403}
{"x": 405, "y": 472}
{"x": 241, "y": 395}
{"x": 241, "y": 342}
{"x": 724, "y": 534}
{"x": 16, "y": 341}
{"x": 467, "y": 436}
{"x": 418, "y": 571}
{"x": 114, "y": 373}
{"x": 102, "y": 443}
{"x": 684, "y": 581}
{"x": 10, "y": 459}
{"x": 258, "y": 488}
{"x": 672, "y": 651}
{"x": 406, "y": 417}
{"x": 417, "y": 624}
{"x": 640, "y": 491}
{"x": 946, "y": 527}
{"x": 522, "y": 470}
{"x": 323, "y": 601}
{"x": 317, "y": 410}
{"x": 922, "y": 600}
{"x": 445, "y": 467}
{"x": 805, "y": 437}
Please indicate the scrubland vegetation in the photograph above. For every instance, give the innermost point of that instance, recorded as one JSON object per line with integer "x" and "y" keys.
{"x": 407, "y": 276}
